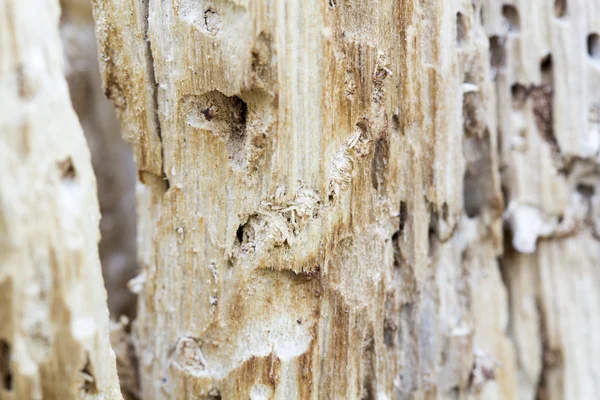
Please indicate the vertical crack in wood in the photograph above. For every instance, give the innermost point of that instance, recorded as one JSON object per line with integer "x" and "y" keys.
{"x": 151, "y": 70}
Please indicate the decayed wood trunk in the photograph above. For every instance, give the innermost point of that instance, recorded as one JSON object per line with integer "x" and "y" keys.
{"x": 321, "y": 202}
{"x": 54, "y": 334}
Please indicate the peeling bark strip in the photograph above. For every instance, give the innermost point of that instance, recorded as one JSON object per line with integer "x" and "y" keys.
{"x": 321, "y": 213}
{"x": 54, "y": 339}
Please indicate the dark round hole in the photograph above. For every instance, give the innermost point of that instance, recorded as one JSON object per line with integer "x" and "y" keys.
{"x": 593, "y": 45}
{"x": 511, "y": 14}
{"x": 560, "y": 8}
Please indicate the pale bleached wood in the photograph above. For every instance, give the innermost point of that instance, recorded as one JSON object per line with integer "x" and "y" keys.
{"x": 548, "y": 91}
{"x": 54, "y": 336}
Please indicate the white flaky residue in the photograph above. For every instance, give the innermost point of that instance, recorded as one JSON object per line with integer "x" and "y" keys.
{"x": 527, "y": 224}
{"x": 136, "y": 284}
{"x": 261, "y": 392}
{"x": 83, "y": 327}
{"x": 469, "y": 88}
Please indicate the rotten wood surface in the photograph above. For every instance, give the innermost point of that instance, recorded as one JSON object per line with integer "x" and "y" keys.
{"x": 324, "y": 186}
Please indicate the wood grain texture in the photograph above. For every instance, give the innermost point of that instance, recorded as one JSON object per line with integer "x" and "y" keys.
{"x": 321, "y": 201}
{"x": 54, "y": 337}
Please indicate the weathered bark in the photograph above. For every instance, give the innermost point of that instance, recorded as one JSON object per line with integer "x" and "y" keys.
{"x": 321, "y": 208}
{"x": 54, "y": 337}
{"x": 111, "y": 156}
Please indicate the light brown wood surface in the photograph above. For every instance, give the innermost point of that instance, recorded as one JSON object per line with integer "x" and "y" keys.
{"x": 336, "y": 199}
{"x": 325, "y": 186}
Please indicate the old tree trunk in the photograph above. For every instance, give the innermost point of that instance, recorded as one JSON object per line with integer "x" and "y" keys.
{"x": 324, "y": 186}
{"x": 337, "y": 199}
